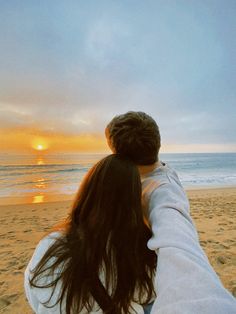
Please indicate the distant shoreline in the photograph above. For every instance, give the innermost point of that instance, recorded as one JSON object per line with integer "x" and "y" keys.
{"x": 68, "y": 198}
{"x": 48, "y": 178}
{"x": 218, "y": 187}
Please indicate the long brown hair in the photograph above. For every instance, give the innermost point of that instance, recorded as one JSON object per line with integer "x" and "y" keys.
{"x": 105, "y": 233}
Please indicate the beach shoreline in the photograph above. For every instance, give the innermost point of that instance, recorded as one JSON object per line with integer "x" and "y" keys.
{"x": 55, "y": 198}
{"x": 23, "y": 225}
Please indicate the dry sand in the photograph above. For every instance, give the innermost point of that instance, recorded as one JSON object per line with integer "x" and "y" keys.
{"x": 22, "y": 226}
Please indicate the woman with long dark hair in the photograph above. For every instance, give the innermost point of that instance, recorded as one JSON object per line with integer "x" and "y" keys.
{"x": 97, "y": 260}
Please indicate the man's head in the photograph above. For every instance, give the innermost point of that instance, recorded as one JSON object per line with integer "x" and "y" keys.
{"x": 136, "y": 136}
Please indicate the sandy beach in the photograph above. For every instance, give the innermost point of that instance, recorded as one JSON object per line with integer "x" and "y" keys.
{"x": 22, "y": 226}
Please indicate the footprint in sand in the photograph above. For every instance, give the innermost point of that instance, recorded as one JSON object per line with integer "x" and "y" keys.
{"x": 221, "y": 260}
{"x": 210, "y": 241}
{"x": 4, "y": 302}
{"x": 222, "y": 246}
{"x": 229, "y": 241}
{"x": 21, "y": 266}
{"x": 7, "y": 300}
{"x": 27, "y": 230}
{"x": 4, "y": 245}
{"x": 12, "y": 263}
{"x": 16, "y": 272}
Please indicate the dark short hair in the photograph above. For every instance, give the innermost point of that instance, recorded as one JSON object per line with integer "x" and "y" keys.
{"x": 135, "y": 135}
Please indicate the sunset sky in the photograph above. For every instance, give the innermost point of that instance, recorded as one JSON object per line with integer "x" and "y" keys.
{"x": 67, "y": 67}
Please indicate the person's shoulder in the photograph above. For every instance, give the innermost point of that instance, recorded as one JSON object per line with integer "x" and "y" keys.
{"x": 172, "y": 175}
{"x": 163, "y": 180}
{"x": 50, "y": 238}
{"x": 163, "y": 174}
{"x": 163, "y": 186}
{"x": 44, "y": 244}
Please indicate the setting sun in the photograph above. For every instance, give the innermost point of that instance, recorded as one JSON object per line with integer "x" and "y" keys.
{"x": 40, "y": 147}
{"x": 40, "y": 143}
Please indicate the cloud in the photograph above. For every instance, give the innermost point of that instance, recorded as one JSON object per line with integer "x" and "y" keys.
{"x": 72, "y": 73}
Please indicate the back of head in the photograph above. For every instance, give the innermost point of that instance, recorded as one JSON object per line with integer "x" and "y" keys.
{"x": 134, "y": 135}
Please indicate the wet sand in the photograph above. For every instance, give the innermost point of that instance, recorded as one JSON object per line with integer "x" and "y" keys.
{"x": 22, "y": 226}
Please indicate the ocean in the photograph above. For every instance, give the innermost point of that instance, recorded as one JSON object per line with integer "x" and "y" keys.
{"x": 37, "y": 178}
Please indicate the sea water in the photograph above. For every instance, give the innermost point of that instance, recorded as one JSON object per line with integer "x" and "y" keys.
{"x": 42, "y": 175}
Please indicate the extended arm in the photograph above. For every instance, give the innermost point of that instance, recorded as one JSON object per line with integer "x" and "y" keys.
{"x": 185, "y": 281}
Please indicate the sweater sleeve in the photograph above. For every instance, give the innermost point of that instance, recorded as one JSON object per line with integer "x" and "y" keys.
{"x": 37, "y": 296}
{"x": 185, "y": 281}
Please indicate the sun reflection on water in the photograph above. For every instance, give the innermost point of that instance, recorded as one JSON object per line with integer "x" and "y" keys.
{"x": 41, "y": 183}
{"x": 38, "y": 199}
{"x": 40, "y": 161}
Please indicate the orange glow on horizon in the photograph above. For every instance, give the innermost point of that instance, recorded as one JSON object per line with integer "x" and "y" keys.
{"x": 32, "y": 142}
{"x": 26, "y": 141}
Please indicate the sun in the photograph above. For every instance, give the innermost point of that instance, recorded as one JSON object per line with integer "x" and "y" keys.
{"x": 39, "y": 147}
{"x": 40, "y": 144}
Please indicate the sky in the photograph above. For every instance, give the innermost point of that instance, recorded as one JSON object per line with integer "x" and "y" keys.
{"x": 68, "y": 67}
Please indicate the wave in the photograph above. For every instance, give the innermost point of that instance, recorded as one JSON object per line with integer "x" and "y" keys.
{"x": 23, "y": 167}
{"x": 23, "y": 173}
{"x": 194, "y": 170}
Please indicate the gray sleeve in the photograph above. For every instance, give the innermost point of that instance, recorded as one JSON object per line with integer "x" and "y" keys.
{"x": 185, "y": 281}
{"x": 36, "y": 296}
